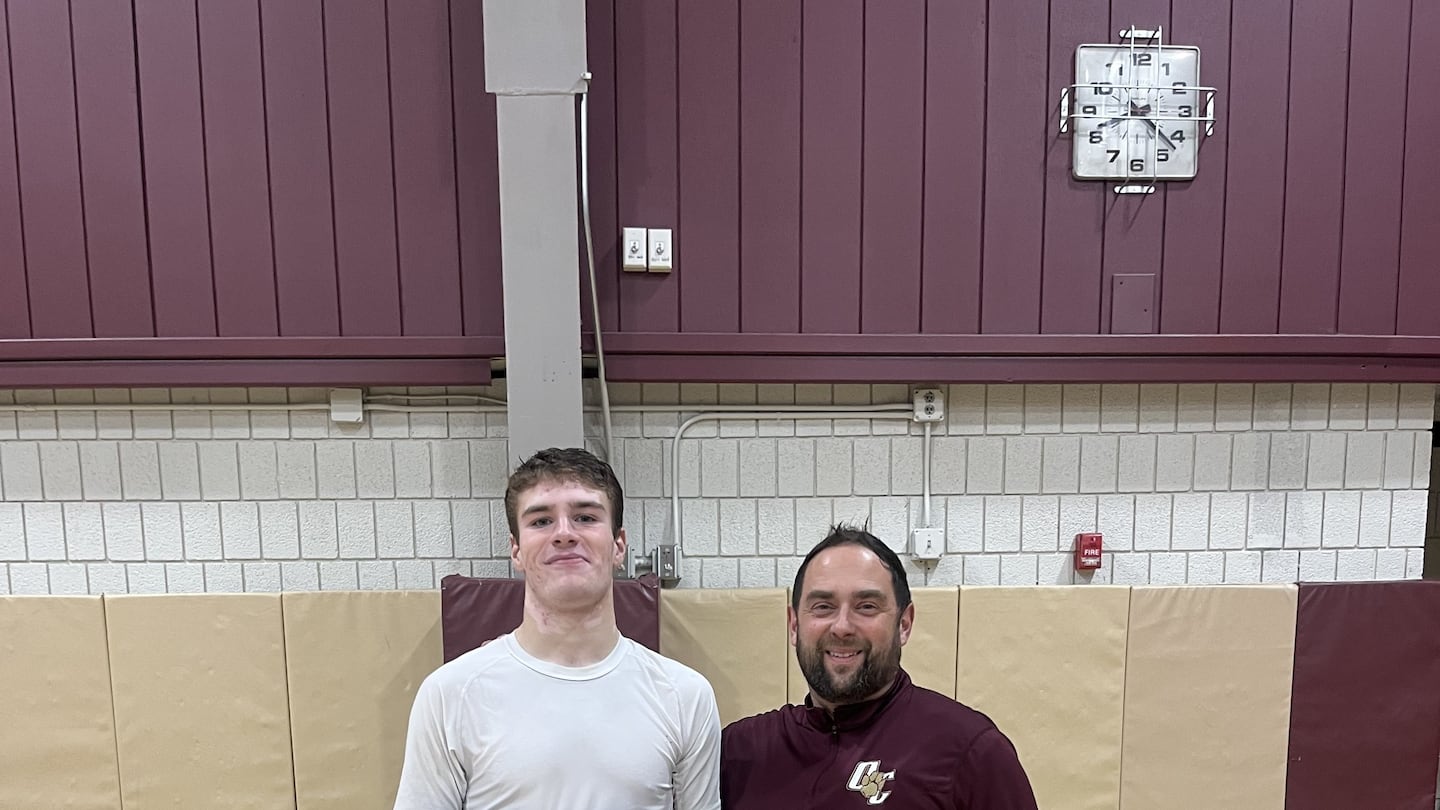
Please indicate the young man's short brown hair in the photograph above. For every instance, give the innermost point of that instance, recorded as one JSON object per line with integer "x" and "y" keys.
{"x": 567, "y": 464}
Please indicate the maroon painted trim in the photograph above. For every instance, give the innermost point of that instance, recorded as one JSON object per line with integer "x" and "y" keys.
{"x": 301, "y": 349}
{"x": 216, "y": 373}
{"x": 1269, "y": 346}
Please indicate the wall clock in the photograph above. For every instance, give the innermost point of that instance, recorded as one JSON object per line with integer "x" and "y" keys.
{"x": 1137, "y": 112}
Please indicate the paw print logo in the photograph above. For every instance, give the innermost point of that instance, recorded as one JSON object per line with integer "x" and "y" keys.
{"x": 870, "y": 785}
{"x": 868, "y": 779}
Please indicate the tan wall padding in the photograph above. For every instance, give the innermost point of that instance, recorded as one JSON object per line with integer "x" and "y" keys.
{"x": 1207, "y": 697}
{"x": 57, "y": 731}
{"x": 736, "y": 638}
{"x": 355, "y": 660}
{"x": 1048, "y": 666}
{"x": 201, "y": 712}
{"x": 929, "y": 656}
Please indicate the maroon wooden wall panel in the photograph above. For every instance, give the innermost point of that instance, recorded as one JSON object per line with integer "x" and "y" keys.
{"x": 770, "y": 128}
{"x": 1074, "y": 209}
{"x": 955, "y": 59}
{"x": 604, "y": 228}
{"x": 647, "y": 153}
{"x": 894, "y": 154}
{"x": 172, "y": 123}
{"x": 1374, "y": 166}
{"x": 1134, "y": 223}
{"x": 425, "y": 207}
{"x": 1310, "y": 260}
{"x": 1016, "y": 105}
{"x": 1195, "y": 211}
{"x": 298, "y": 144}
{"x": 832, "y": 99}
{"x": 708, "y": 33}
{"x": 1419, "y": 236}
{"x": 477, "y": 169}
{"x": 1255, "y": 167}
{"x": 14, "y": 297}
{"x": 236, "y": 168}
{"x": 363, "y": 168}
{"x": 108, "y": 113}
{"x": 49, "y": 168}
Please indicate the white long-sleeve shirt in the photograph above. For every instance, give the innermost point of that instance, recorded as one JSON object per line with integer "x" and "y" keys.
{"x": 499, "y": 728}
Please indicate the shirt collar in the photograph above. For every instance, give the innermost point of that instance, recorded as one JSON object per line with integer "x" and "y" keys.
{"x": 854, "y": 715}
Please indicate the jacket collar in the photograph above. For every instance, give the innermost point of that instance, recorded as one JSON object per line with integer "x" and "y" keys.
{"x": 854, "y": 716}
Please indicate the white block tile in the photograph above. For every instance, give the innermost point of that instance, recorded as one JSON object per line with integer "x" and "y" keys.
{"x": 313, "y": 425}
{"x": 1234, "y": 404}
{"x": 1152, "y": 522}
{"x": 1023, "y": 464}
{"x": 377, "y": 575}
{"x": 412, "y": 469}
{"x": 434, "y": 531}
{"x": 1130, "y": 568}
{"x": 1061, "y": 466}
{"x": 948, "y": 571}
{"x": 164, "y": 537}
{"x": 29, "y": 579}
{"x": 737, "y": 527}
{"x": 12, "y": 532}
{"x": 1080, "y": 409}
{"x": 1174, "y": 462}
{"x": 1349, "y": 406}
{"x": 100, "y": 471}
{"x": 1304, "y": 519}
{"x": 107, "y": 578}
{"x": 1158, "y": 406}
{"x": 1389, "y": 565}
{"x": 1250, "y": 461}
{"x": 1002, "y": 523}
{"x": 1326, "y": 461}
{"x": 1229, "y": 520}
{"x": 718, "y": 572}
{"x": 339, "y": 576}
{"x": 1242, "y": 567}
{"x": 796, "y": 458}
{"x": 192, "y": 425}
{"x": 279, "y": 531}
{"x": 1317, "y": 566}
{"x": 1098, "y": 462}
{"x": 184, "y": 578}
{"x": 1042, "y": 408}
{"x": 775, "y": 394}
{"x": 700, "y": 527}
{"x": 450, "y": 463}
{"x": 775, "y": 533}
{"x": 319, "y": 532}
{"x": 1400, "y": 459}
{"x": 1195, "y": 407}
{"x": 757, "y": 573}
{"x": 146, "y": 578}
{"x": 443, "y": 569}
{"x": 84, "y": 532}
{"x": 20, "y": 477}
{"x": 239, "y": 530}
{"x": 966, "y": 414}
{"x": 834, "y": 466}
{"x": 1375, "y": 518}
{"x": 355, "y": 528}
{"x": 1190, "y": 522}
{"x": 1415, "y": 564}
{"x": 295, "y": 469}
{"x": 1040, "y": 523}
{"x": 644, "y": 465}
{"x": 261, "y": 577}
{"x": 374, "y": 469}
{"x": 1310, "y": 406}
{"x": 180, "y": 471}
{"x": 982, "y": 569}
{"x": 1288, "y": 460}
{"x": 1078, "y": 513}
{"x": 1055, "y": 569}
{"x": 720, "y": 468}
{"x": 947, "y": 465}
{"x": 964, "y": 524}
{"x": 472, "y": 425}
{"x": 1267, "y": 520}
{"x": 689, "y": 476}
{"x": 36, "y": 425}
{"x": 60, "y": 471}
{"x": 1205, "y": 568}
{"x": 200, "y": 528}
{"x": 890, "y": 521}
{"x": 499, "y": 530}
{"x": 1416, "y": 406}
{"x": 907, "y": 465}
{"x": 1364, "y": 460}
{"x": 1425, "y": 469}
{"x": 1355, "y": 565}
{"x": 1004, "y": 409}
{"x": 124, "y": 534}
{"x": 1280, "y": 566}
{"x": 1019, "y": 569}
{"x": 1168, "y": 568}
{"x": 1272, "y": 406}
{"x": 66, "y": 578}
{"x": 389, "y": 425}
{"x": 259, "y": 472}
{"x": 1120, "y": 408}
{"x": 395, "y": 529}
{"x": 335, "y": 469}
{"x": 219, "y": 470}
{"x": 1384, "y": 406}
{"x": 140, "y": 471}
{"x": 1212, "y": 461}
{"x": 1341, "y": 526}
{"x": 1407, "y": 518}
{"x": 44, "y": 531}
{"x": 1116, "y": 521}
{"x": 1137, "y": 462}
{"x": 813, "y": 517}
{"x": 299, "y": 576}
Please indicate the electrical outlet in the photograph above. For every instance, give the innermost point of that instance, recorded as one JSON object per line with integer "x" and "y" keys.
{"x": 927, "y": 544}
{"x": 929, "y": 405}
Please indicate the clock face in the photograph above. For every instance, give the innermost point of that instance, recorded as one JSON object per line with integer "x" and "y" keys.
{"x": 1132, "y": 116}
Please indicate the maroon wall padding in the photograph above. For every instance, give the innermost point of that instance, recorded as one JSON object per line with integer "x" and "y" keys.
{"x": 473, "y": 611}
{"x": 1365, "y": 710}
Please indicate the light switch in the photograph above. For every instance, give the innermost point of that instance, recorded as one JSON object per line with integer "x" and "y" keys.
{"x": 662, "y": 250}
{"x": 633, "y": 250}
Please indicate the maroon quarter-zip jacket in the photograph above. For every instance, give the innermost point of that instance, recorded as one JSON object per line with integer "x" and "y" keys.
{"x": 910, "y": 749}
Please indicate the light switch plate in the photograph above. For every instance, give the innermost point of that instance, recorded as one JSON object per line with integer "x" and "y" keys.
{"x": 633, "y": 250}
{"x": 662, "y": 250}
{"x": 927, "y": 544}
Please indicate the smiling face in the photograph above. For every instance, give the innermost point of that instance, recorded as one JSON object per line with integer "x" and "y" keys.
{"x": 848, "y": 629}
{"x": 566, "y": 545}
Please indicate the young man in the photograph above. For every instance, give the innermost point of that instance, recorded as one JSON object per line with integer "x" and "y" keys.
{"x": 866, "y": 735}
{"x": 564, "y": 712}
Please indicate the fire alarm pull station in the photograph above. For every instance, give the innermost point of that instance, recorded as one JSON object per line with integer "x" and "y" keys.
{"x": 1087, "y": 551}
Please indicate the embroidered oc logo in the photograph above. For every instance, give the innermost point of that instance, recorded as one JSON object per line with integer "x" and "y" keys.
{"x": 868, "y": 780}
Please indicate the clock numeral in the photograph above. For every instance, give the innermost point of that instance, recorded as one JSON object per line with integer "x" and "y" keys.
{"x": 1095, "y": 136}
{"x": 1141, "y": 58}
{"x": 1162, "y": 155}
{"x": 1178, "y": 136}
{"x": 1113, "y": 153}
{"x": 1178, "y": 92}
{"x": 1102, "y": 88}
{"x": 1088, "y": 110}
{"x": 1186, "y": 111}
{"x": 1165, "y": 66}
{"x": 1137, "y": 165}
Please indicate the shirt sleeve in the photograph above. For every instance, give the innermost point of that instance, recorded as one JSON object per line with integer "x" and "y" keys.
{"x": 992, "y": 777}
{"x": 697, "y": 777}
{"x": 431, "y": 778}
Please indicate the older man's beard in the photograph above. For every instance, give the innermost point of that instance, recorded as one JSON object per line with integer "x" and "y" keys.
{"x": 875, "y": 672}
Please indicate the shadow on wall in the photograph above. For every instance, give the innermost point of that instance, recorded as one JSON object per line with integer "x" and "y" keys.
{"x": 1432, "y": 523}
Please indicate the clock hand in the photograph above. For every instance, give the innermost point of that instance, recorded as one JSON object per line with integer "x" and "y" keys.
{"x": 1157, "y": 131}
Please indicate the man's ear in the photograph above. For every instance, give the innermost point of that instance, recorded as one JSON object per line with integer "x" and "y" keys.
{"x": 622, "y": 544}
{"x": 907, "y": 619}
{"x": 792, "y": 621}
{"x": 514, "y": 551}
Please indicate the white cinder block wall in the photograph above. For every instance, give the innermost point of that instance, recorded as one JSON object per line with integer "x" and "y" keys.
{"x": 1189, "y": 484}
